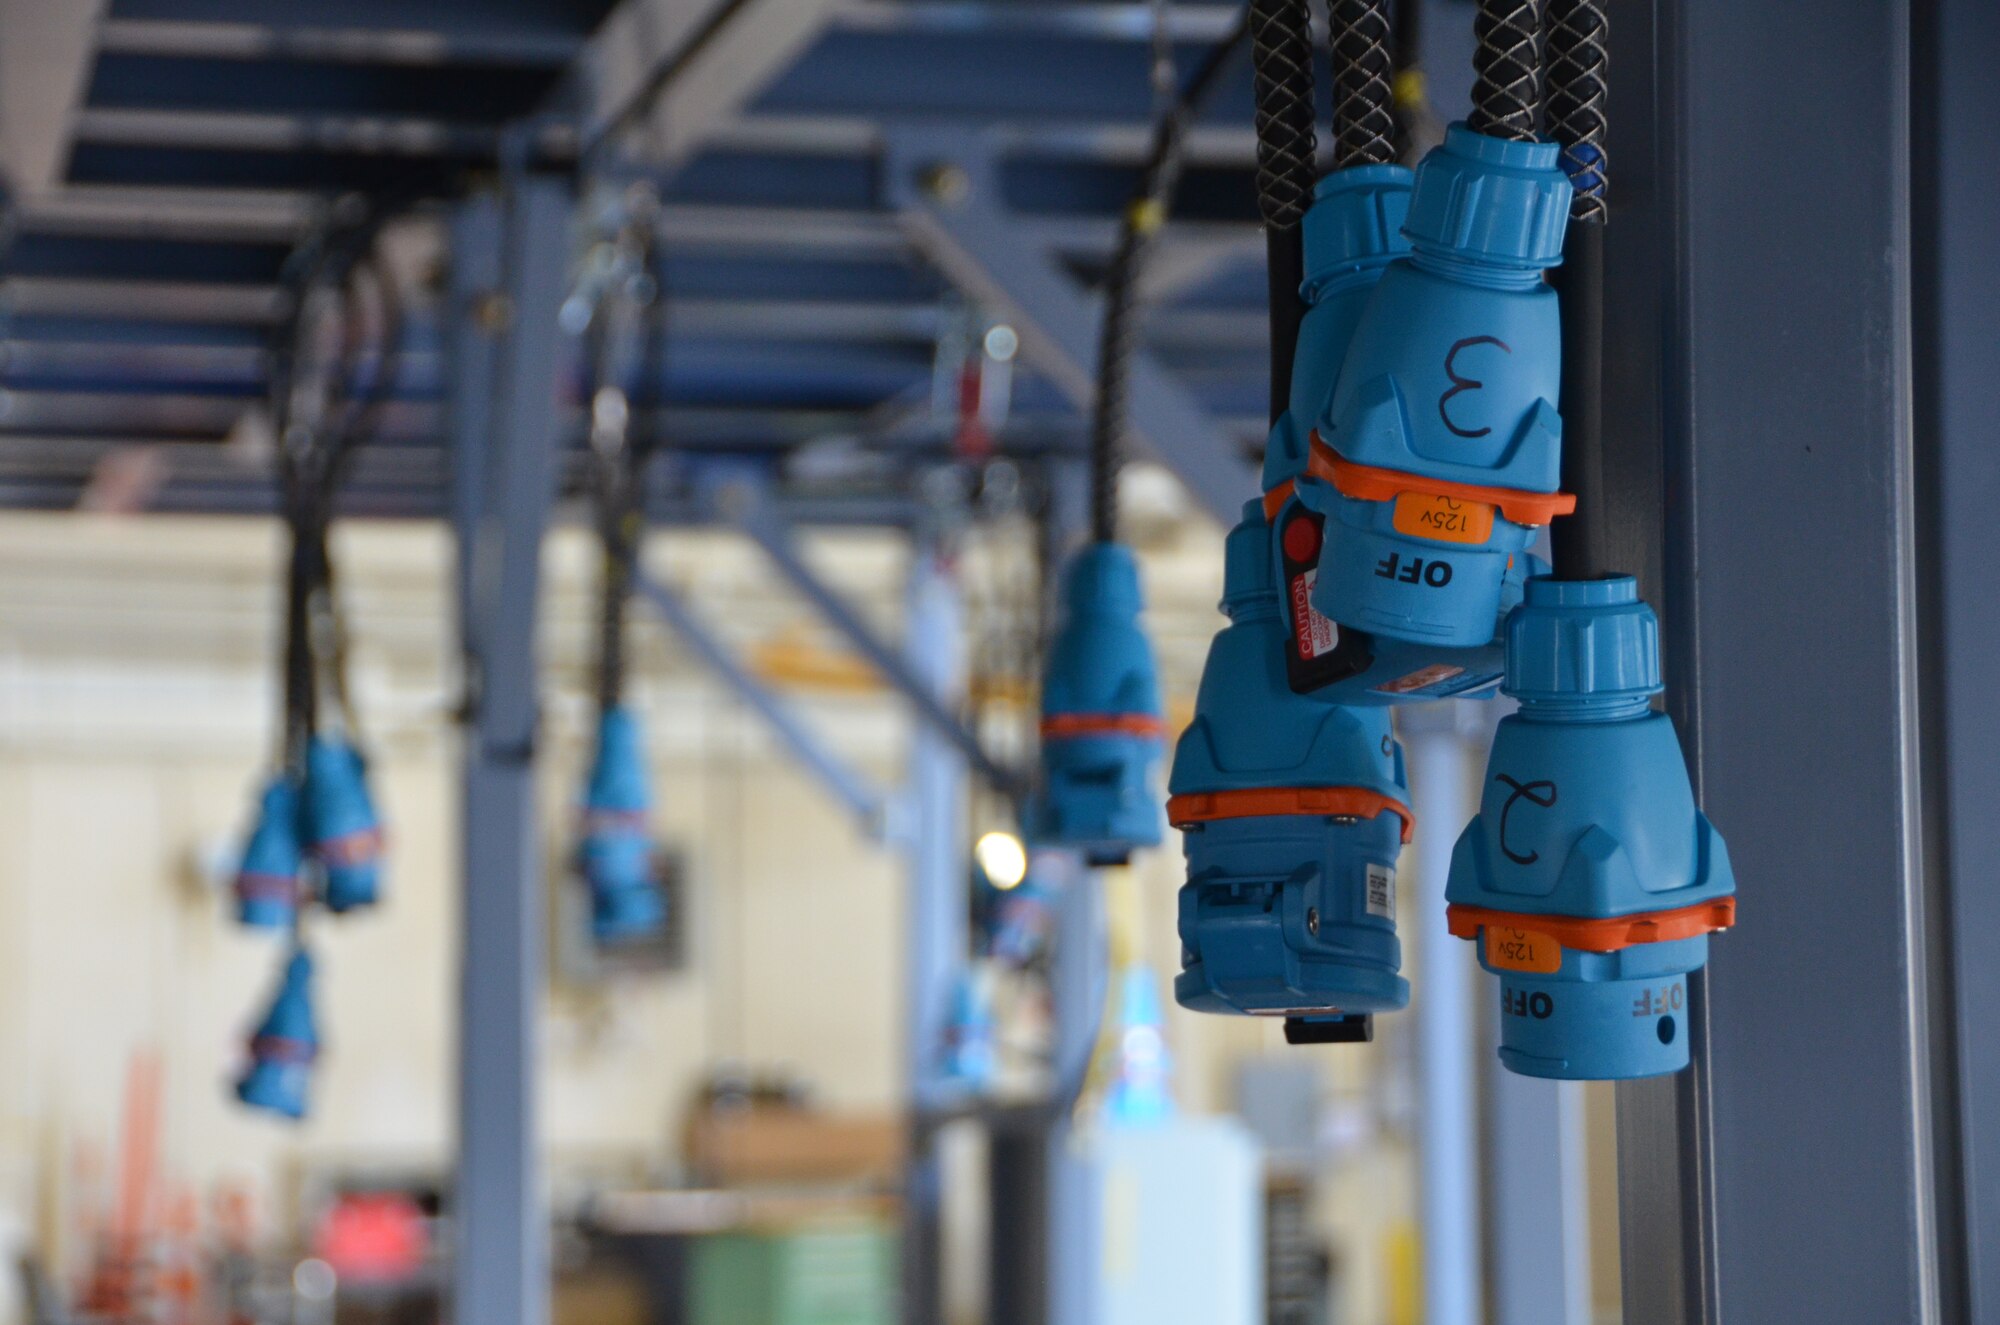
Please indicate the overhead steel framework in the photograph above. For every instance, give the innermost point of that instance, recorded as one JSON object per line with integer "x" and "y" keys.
{"x": 1802, "y": 318}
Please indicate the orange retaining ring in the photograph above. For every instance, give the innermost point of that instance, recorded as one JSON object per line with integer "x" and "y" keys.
{"x": 1347, "y": 802}
{"x": 1600, "y": 933}
{"x": 1370, "y": 483}
{"x": 1059, "y": 726}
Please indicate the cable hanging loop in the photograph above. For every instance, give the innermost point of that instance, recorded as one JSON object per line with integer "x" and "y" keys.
{"x": 1507, "y": 67}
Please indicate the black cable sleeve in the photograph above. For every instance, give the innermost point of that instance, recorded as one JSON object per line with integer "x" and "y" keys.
{"x": 1285, "y": 260}
{"x": 1580, "y": 542}
{"x": 1507, "y": 69}
{"x": 1407, "y": 39}
{"x": 1144, "y": 218}
{"x": 1364, "y": 121}
{"x": 1578, "y": 51}
{"x": 1282, "y": 60}
{"x": 1579, "y": 60}
{"x": 1281, "y": 55}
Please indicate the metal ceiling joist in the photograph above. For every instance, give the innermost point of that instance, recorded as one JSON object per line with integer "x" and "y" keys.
{"x": 947, "y": 192}
{"x": 43, "y": 64}
{"x": 676, "y": 69}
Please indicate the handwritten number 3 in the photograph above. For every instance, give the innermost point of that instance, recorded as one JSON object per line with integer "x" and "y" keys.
{"x": 1459, "y": 384}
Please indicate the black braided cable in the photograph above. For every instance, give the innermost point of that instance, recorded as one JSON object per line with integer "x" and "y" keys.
{"x": 1507, "y": 68}
{"x": 1364, "y": 122}
{"x": 1281, "y": 53}
{"x": 1579, "y": 55}
{"x": 1145, "y": 216}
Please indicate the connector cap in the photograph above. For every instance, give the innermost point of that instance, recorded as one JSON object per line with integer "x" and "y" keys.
{"x": 1577, "y": 639}
{"x": 1490, "y": 200}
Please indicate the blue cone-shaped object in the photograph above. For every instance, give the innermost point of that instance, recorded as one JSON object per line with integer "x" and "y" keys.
{"x": 616, "y": 853}
{"x": 972, "y": 1055}
{"x": 1293, "y": 811}
{"x": 1102, "y": 729}
{"x": 268, "y": 881}
{"x": 342, "y": 830}
{"x": 1590, "y": 878}
{"x": 284, "y": 1047}
{"x": 1141, "y": 1091}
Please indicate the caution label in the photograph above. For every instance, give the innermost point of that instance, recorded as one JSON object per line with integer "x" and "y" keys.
{"x": 1443, "y": 519}
{"x": 1317, "y": 635}
{"x": 1522, "y": 950}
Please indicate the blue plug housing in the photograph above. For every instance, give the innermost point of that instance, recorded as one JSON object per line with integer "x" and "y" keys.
{"x": 1440, "y": 442}
{"x": 1293, "y": 812}
{"x": 1102, "y": 729}
{"x": 284, "y": 1047}
{"x": 1590, "y": 878}
{"x": 615, "y": 855}
{"x": 342, "y": 830}
{"x": 972, "y": 1050}
{"x": 268, "y": 879}
{"x": 1352, "y": 233}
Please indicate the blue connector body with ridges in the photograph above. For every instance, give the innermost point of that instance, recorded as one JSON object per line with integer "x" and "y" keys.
{"x": 342, "y": 830}
{"x": 1102, "y": 724}
{"x": 269, "y": 880}
{"x": 615, "y": 855}
{"x": 1590, "y": 878}
{"x": 283, "y": 1049}
{"x": 1441, "y": 439}
{"x": 1292, "y": 810}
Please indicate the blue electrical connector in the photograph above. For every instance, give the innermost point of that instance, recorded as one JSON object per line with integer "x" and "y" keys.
{"x": 1590, "y": 879}
{"x": 1440, "y": 445}
{"x": 282, "y": 1051}
{"x": 1353, "y": 234}
{"x": 268, "y": 881}
{"x": 616, "y": 853}
{"x": 342, "y": 830}
{"x": 1293, "y": 811}
{"x": 1102, "y": 729}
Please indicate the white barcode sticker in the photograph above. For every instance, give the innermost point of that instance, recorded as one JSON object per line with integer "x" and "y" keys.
{"x": 1382, "y": 892}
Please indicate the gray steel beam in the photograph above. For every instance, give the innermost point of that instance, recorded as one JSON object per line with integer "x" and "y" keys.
{"x": 871, "y": 807}
{"x": 752, "y": 511}
{"x": 673, "y": 70}
{"x": 947, "y": 191}
{"x": 1787, "y": 1175}
{"x": 505, "y": 434}
{"x": 1957, "y": 195}
{"x": 44, "y": 66}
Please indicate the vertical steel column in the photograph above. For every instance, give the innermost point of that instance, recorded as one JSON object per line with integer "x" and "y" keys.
{"x": 1441, "y": 743}
{"x": 1957, "y": 247}
{"x": 1758, "y": 304}
{"x": 1081, "y": 982}
{"x": 507, "y": 354}
{"x": 1042, "y": 1212}
{"x": 936, "y": 922}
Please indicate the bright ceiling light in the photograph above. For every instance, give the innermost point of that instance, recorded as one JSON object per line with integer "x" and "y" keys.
{"x": 1002, "y": 859}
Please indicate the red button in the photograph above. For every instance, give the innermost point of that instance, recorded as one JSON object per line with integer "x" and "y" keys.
{"x": 1302, "y": 538}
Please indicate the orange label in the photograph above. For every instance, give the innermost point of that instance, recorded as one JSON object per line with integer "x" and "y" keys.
{"x": 1522, "y": 950}
{"x": 1443, "y": 519}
